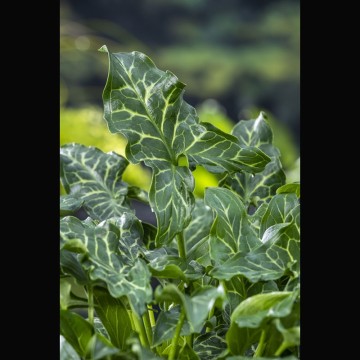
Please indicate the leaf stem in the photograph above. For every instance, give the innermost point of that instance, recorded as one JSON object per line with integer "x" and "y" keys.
{"x": 175, "y": 339}
{"x": 90, "y": 294}
{"x": 151, "y": 316}
{"x": 280, "y": 349}
{"x": 181, "y": 245}
{"x": 261, "y": 345}
{"x": 147, "y": 324}
{"x": 140, "y": 328}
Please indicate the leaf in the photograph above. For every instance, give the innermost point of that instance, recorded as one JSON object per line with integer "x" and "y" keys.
{"x": 253, "y": 315}
{"x": 165, "y": 263}
{"x": 146, "y": 105}
{"x": 291, "y": 357}
{"x": 211, "y": 345}
{"x": 137, "y": 193}
{"x": 70, "y": 265}
{"x": 69, "y": 204}
{"x": 76, "y": 330}
{"x": 141, "y": 352}
{"x": 104, "y": 261}
{"x": 289, "y": 188}
{"x": 95, "y": 178}
{"x": 187, "y": 353}
{"x": 99, "y": 348}
{"x": 199, "y": 227}
{"x": 67, "y": 299}
{"x": 67, "y": 352}
{"x": 259, "y": 188}
{"x": 231, "y": 232}
{"x": 172, "y": 200}
{"x": 166, "y": 324}
{"x": 196, "y": 307}
{"x": 114, "y": 316}
{"x": 277, "y": 255}
{"x": 256, "y": 217}
{"x": 277, "y": 212}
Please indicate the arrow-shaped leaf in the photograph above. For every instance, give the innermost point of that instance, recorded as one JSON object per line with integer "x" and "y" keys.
{"x": 94, "y": 177}
{"x": 196, "y": 307}
{"x": 146, "y": 105}
{"x": 258, "y": 188}
{"x": 232, "y": 232}
{"x": 104, "y": 260}
{"x": 211, "y": 345}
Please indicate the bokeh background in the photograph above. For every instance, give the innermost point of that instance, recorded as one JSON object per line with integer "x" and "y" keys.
{"x": 236, "y": 56}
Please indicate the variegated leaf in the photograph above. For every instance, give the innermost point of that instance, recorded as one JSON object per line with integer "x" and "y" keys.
{"x": 69, "y": 204}
{"x": 94, "y": 177}
{"x": 197, "y": 306}
{"x": 278, "y": 210}
{"x": 211, "y": 345}
{"x": 258, "y": 188}
{"x": 166, "y": 324}
{"x": 278, "y": 254}
{"x": 146, "y": 105}
{"x": 232, "y": 232}
{"x": 105, "y": 260}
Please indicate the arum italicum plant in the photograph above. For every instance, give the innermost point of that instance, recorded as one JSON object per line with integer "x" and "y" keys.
{"x": 218, "y": 277}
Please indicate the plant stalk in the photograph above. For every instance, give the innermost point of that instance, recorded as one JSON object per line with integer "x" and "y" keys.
{"x": 181, "y": 245}
{"x": 151, "y": 316}
{"x": 280, "y": 349}
{"x": 90, "y": 294}
{"x": 261, "y": 346}
{"x": 175, "y": 339}
{"x": 140, "y": 328}
{"x": 148, "y": 327}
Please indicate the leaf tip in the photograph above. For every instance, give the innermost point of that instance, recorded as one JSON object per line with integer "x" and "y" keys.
{"x": 104, "y": 49}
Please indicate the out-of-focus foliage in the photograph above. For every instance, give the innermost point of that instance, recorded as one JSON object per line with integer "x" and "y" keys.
{"x": 86, "y": 126}
{"x": 243, "y": 53}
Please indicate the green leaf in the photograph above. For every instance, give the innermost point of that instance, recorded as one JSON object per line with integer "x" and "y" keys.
{"x": 95, "y": 178}
{"x": 69, "y": 204}
{"x": 114, "y": 316}
{"x": 70, "y": 265}
{"x": 105, "y": 261}
{"x": 289, "y": 188}
{"x": 165, "y": 263}
{"x": 166, "y": 324}
{"x": 278, "y": 210}
{"x": 256, "y": 217}
{"x": 253, "y": 315}
{"x": 277, "y": 255}
{"x": 199, "y": 227}
{"x": 172, "y": 200}
{"x": 259, "y": 188}
{"x": 146, "y": 105}
{"x": 232, "y": 232}
{"x": 141, "y": 352}
{"x": 187, "y": 353}
{"x": 197, "y": 306}
{"x": 67, "y": 299}
{"x": 67, "y": 352}
{"x": 211, "y": 345}
{"x": 99, "y": 348}
{"x": 76, "y": 330}
{"x": 137, "y": 193}
{"x": 291, "y": 357}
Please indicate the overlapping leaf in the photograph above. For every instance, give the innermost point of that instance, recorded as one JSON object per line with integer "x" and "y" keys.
{"x": 211, "y": 345}
{"x": 258, "y": 188}
{"x": 235, "y": 246}
{"x": 232, "y": 232}
{"x": 166, "y": 324}
{"x": 105, "y": 258}
{"x": 69, "y": 204}
{"x": 256, "y": 314}
{"x": 145, "y": 104}
{"x": 197, "y": 306}
{"x": 94, "y": 178}
{"x": 113, "y": 314}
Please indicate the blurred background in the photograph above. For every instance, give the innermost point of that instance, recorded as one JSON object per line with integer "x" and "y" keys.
{"x": 236, "y": 57}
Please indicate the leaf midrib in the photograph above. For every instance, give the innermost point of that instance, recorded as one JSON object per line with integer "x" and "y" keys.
{"x": 161, "y": 135}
